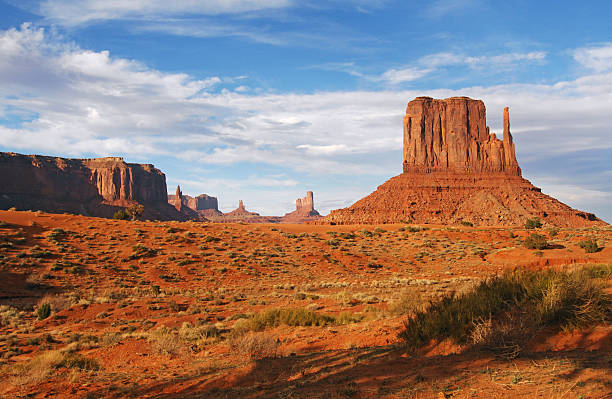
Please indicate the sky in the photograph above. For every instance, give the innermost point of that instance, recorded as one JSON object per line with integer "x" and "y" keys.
{"x": 263, "y": 100}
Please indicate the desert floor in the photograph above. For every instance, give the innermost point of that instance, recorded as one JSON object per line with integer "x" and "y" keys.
{"x": 152, "y": 309}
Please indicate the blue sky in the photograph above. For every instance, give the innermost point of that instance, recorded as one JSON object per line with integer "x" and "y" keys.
{"x": 262, "y": 100}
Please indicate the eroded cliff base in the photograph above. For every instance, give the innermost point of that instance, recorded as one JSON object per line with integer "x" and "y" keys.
{"x": 451, "y": 198}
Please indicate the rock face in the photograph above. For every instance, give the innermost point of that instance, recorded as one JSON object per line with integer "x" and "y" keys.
{"x": 94, "y": 187}
{"x": 200, "y": 207}
{"x": 304, "y": 211}
{"x": 456, "y": 170}
{"x": 452, "y": 136}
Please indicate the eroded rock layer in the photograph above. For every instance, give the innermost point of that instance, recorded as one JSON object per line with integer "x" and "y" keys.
{"x": 455, "y": 171}
{"x": 94, "y": 187}
{"x": 450, "y": 198}
{"x": 452, "y": 135}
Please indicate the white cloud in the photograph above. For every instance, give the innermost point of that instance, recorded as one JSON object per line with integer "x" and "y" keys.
{"x": 395, "y": 76}
{"x": 434, "y": 62}
{"x": 77, "y": 12}
{"x": 598, "y": 58}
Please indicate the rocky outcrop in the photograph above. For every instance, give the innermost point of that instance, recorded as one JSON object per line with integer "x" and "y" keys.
{"x": 94, "y": 187}
{"x": 452, "y": 136}
{"x": 198, "y": 208}
{"x": 241, "y": 215}
{"x": 456, "y": 170}
{"x": 304, "y": 211}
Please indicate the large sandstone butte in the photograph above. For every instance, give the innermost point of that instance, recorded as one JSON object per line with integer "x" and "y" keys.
{"x": 304, "y": 210}
{"x": 94, "y": 187}
{"x": 455, "y": 170}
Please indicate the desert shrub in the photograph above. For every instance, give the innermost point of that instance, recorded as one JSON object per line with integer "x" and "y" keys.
{"x": 533, "y": 223}
{"x": 515, "y": 302}
{"x": 135, "y": 211}
{"x": 466, "y": 223}
{"x": 9, "y": 315}
{"x": 589, "y": 245}
{"x": 348, "y": 318}
{"x": 410, "y": 302}
{"x": 164, "y": 341}
{"x": 412, "y": 229}
{"x": 197, "y": 334}
{"x": 291, "y": 317}
{"x": 121, "y": 214}
{"x": 43, "y": 311}
{"x": 37, "y": 368}
{"x": 255, "y": 345}
{"x": 552, "y": 232}
{"x": 535, "y": 241}
{"x": 78, "y": 361}
{"x": 140, "y": 251}
{"x": 600, "y": 271}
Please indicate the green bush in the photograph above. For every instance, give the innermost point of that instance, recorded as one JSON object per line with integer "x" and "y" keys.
{"x": 526, "y": 300}
{"x": 589, "y": 245}
{"x": 468, "y": 224}
{"x": 533, "y": 223}
{"x": 135, "y": 211}
{"x": 535, "y": 241}
{"x": 43, "y": 311}
{"x": 121, "y": 214}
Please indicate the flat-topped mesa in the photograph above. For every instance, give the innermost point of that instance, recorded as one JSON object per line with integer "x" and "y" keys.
{"x": 203, "y": 202}
{"x": 452, "y": 135}
{"x": 94, "y": 187}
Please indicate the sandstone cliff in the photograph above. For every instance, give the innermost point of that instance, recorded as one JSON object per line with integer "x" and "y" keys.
{"x": 456, "y": 170}
{"x": 304, "y": 211}
{"x": 452, "y": 135}
{"x": 94, "y": 187}
{"x": 202, "y": 202}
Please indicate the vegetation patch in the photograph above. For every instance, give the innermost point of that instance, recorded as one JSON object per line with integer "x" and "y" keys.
{"x": 291, "y": 317}
{"x": 533, "y": 223}
{"x": 527, "y": 300}
{"x": 535, "y": 241}
{"x": 589, "y": 245}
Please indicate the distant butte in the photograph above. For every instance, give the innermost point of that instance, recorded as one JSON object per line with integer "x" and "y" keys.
{"x": 455, "y": 170}
{"x": 199, "y": 208}
{"x": 304, "y": 210}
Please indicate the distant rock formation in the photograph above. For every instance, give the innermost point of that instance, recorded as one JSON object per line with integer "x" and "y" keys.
{"x": 241, "y": 211}
{"x": 304, "y": 210}
{"x": 456, "y": 170}
{"x": 200, "y": 207}
{"x": 93, "y": 187}
{"x": 241, "y": 215}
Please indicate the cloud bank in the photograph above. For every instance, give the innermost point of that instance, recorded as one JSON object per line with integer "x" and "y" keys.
{"x": 62, "y": 99}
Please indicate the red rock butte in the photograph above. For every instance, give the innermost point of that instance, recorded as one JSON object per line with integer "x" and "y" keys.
{"x": 304, "y": 210}
{"x": 455, "y": 170}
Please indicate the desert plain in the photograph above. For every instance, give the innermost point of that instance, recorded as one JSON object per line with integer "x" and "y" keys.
{"x": 101, "y": 308}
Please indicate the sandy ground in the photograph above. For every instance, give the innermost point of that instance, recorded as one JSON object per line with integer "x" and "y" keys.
{"x": 113, "y": 284}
